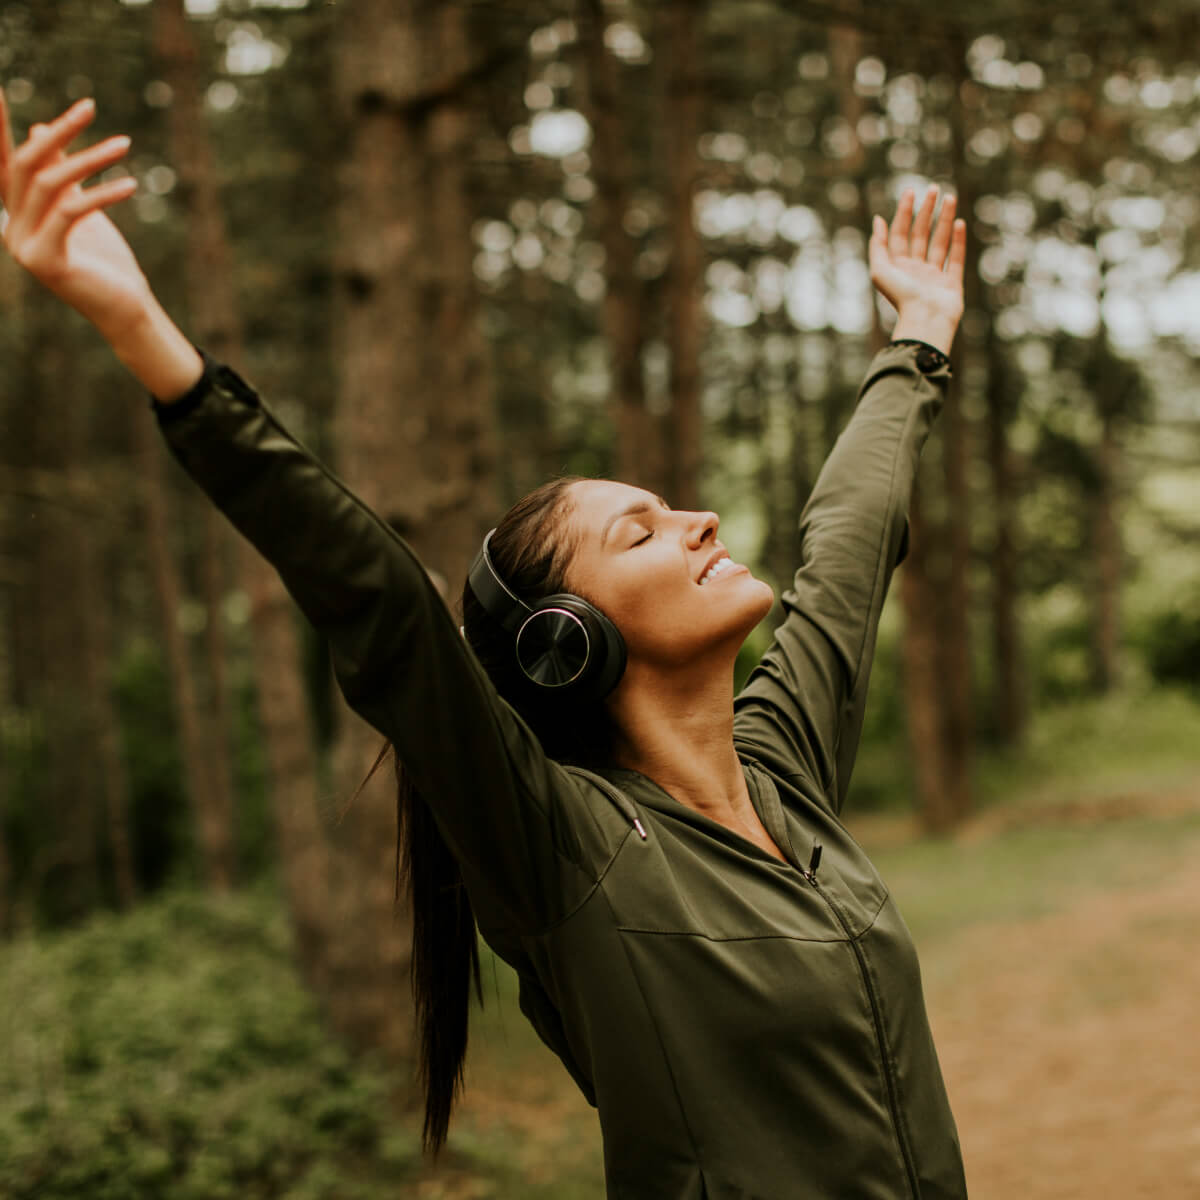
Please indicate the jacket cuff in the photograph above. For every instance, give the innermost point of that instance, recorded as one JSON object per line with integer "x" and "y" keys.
{"x": 214, "y": 375}
{"x": 929, "y": 358}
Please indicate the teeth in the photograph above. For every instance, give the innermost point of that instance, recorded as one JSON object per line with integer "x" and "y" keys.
{"x": 722, "y": 564}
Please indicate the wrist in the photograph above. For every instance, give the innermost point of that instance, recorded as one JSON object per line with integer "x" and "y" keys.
{"x": 153, "y": 348}
{"x": 920, "y": 324}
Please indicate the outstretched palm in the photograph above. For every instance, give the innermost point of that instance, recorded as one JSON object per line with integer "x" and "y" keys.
{"x": 57, "y": 230}
{"x": 915, "y": 262}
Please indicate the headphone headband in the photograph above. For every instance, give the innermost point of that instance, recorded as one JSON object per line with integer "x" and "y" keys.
{"x": 493, "y": 593}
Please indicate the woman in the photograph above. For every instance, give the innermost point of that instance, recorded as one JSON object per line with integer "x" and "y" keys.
{"x": 697, "y": 936}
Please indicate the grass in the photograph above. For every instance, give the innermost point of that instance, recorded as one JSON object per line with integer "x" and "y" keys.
{"x": 945, "y": 887}
{"x": 1129, "y": 744}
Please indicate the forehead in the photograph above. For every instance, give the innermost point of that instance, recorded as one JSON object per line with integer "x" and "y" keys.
{"x": 596, "y": 501}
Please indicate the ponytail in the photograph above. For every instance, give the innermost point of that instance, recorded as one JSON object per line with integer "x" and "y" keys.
{"x": 530, "y": 548}
{"x": 445, "y": 954}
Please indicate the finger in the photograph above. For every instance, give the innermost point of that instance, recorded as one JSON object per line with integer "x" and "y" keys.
{"x": 76, "y": 204}
{"x": 63, "y": 172}
{"x": 940, "y": 246}
{"x": 957, "y": 259}
{"x": 44, "y": 142}
{"x": 920, "y": 229}
{"x": 18, "y": 207}
{"x": 898, "y": 240}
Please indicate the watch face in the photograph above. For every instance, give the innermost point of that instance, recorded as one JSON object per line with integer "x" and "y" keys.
{"x": 553, "y": 647}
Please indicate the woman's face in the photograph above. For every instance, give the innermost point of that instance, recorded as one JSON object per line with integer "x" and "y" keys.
{"x": 660, "y": 575}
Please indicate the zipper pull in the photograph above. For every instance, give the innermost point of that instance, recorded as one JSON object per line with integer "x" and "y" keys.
{"x": 813, "y": 863}
{"x": 637, "y": 824}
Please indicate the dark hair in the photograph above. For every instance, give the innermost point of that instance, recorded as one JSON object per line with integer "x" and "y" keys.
{"x": 530, "y": 549}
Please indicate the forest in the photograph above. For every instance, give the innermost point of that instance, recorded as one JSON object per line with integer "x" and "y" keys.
{"x": 464, "y": 247}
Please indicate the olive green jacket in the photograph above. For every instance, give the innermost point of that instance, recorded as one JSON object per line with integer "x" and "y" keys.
{"x": 745, "y": 1027}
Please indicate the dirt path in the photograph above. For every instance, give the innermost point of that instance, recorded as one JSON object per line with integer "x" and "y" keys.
{"x": 1071, "y": 1048}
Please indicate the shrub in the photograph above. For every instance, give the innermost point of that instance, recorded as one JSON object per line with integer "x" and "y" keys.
{"x": 173, "y": 1053}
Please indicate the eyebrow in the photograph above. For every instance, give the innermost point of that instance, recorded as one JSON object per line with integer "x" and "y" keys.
{"x": 638, "y": 506}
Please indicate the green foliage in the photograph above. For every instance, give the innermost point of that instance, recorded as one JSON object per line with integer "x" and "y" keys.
{"x": 1061, "y": 661}
{"x": 174, "y": 1052}
{"x": 1169, "y": 642}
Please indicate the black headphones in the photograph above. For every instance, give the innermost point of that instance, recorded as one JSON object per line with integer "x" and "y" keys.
{"x": 562, "y": 642}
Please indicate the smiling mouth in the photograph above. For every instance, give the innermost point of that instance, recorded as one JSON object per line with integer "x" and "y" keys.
{"x": 718, "y": 568}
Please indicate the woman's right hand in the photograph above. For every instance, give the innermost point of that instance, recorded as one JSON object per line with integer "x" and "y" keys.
{"x": 59, "y": 232}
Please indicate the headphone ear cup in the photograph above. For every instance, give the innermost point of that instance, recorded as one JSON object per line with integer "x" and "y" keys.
{"x": 565, "y": 642}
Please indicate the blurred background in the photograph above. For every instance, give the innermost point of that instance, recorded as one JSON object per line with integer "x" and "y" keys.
{"x": 465, "y": 246}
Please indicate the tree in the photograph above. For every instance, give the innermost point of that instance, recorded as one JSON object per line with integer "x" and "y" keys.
{"x": 284, "y": 716}
{"x": 413, "y": 403}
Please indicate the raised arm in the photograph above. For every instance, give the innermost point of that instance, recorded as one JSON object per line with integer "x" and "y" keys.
{"x": 801, "y": 711}
{"x": 513, "y": 817}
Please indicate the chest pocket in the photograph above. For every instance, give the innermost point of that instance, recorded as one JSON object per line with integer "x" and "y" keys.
{"x": 685, "y": 878}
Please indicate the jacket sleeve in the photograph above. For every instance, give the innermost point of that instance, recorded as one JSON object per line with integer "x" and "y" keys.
{"x": 506, "y": 811}
{"x": 801, "y": 710}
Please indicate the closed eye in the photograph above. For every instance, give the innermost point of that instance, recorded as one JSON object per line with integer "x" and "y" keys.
{"x": 645, "y": 538}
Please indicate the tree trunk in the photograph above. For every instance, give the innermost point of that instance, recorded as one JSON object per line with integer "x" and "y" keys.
{"x": 410, "y": 408}
{"x": 7, "y": 921}
{"x": 98, "y": 652}
{"x": 286, "y": 722}
{"x": 208, "y": 265}
{"x": 213, "y": 828}
{"x": 922, "y": 679}
{"x": 1106, "y": 556}
{"x": 1009, "y": 709}
{"x": 639, "y": 450}
{"x": 65, "y": 871}
{"x": 680, "y": 39}
{"x": 955, "y": 637}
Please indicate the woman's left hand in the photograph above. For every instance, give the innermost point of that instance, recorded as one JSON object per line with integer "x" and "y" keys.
{"x": 918, "y": 266}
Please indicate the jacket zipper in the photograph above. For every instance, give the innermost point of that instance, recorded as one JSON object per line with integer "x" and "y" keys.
{"x": 810, "y": 873}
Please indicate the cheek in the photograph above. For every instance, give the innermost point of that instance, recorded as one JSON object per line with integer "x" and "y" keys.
{"x": 647, "y": 604}
{"x": 670, "y": 620}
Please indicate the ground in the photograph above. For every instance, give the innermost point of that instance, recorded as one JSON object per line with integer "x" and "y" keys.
{"x": 1070, "y": 1049}
{"x": 1062, "y": 982}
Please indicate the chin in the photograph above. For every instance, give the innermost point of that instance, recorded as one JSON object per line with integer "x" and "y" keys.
{"x": 766, "y": 596}
{"x": 760, "y": 597}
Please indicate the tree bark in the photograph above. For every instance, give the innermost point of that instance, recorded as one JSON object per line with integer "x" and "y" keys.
{"x": 955, "y": 635}
{"x": 1106, "y": 557}
{"x": 413, "y": 403}
{"x": 98, "y": 654}
{"x": 922, "y": 674}
{"x": 64, "y": 875}
{"x": 681, "y": 42}
{"x": 213, "y": 829}
{"x": 639, "y": 451}
{"x": 208, "y": 265}
{"x": 283, "y": 710}
{"x": 1009, "y": 708}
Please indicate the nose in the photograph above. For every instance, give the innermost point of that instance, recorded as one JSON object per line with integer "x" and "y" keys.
{"x": 701, "y": 527}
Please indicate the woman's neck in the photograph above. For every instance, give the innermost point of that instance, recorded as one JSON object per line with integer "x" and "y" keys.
{"x": 677, "y": 729}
